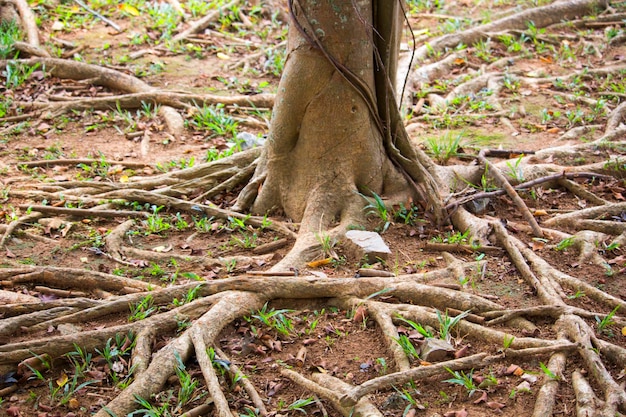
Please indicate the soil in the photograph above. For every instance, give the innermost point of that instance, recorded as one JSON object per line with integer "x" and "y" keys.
{"x": 343, "y": 343}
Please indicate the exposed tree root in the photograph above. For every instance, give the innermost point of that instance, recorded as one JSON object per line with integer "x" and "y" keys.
{"x": 402, "y": 174}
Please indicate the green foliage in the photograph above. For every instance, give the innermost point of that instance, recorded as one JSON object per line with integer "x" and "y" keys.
{"x": 155, "y": 223}
{"x": 508, "y": 341}
{"x": 548, "y": 372}
{"x": 276, "y": 319}
{"x": 215, "y": 120}
{"x": 164, "y": 18}
{"x": 246, "y": 241}
{"x": 142, "y": 309}
{"x": 564, "y": 244}
{"x": 191, "y": 295}
{"x": 188, "y": 385}
{"x": 447, "y": 323}
{"x": 299, "y": 404}
{"x": 463, "y": 379}
{"x": 378, "y": 208}
{"x": 416, "y": 326}
{"x": 605, "y": 323}
{"x": 453, "y": 238}
{"x": 406, "y": 215}
{"x": 9, "y": 34}
{"x": 407, "y": 346}
{"x": 327, "y": 243}
{"x": 444, "y": 148}
{"x": 516, "y": 171}
{"x": 16, "y": 73}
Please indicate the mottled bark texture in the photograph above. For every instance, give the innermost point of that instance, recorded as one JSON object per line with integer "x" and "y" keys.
{"x": 327, "y": 140}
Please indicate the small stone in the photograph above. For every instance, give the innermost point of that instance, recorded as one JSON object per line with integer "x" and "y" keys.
{"x": 366, "y": 245}
{"x": 523, "y": 387}
{"x": 435, "y": 350}
{"x": 530, "y": 378}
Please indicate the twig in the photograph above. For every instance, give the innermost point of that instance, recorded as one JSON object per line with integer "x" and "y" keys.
{"x": 400, "y": 378}
{"x": 53, "y": 162}
{"x": 198, "y": 25}
{"x": 99, "y": 16}
{"x": 85, "y": 212}
{"x": 527, "y": 184}
{"x": 504, "y": 183}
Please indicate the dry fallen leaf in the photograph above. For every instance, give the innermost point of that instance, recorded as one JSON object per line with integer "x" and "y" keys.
{"x": 494, "y": 405}
{"x": 360, "y": 314}
{"x": 511, "y": 369}
{"x": 62, "y": 380}
{"x": 321, "y": 262}
{"x": 483, "y": 398}
{"x": 73, "y": 404}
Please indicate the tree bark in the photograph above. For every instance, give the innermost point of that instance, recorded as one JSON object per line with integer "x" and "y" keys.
{"x": 326, "y": 142}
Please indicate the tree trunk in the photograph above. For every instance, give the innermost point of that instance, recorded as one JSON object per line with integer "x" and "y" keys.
{"x": 326, "y": 141}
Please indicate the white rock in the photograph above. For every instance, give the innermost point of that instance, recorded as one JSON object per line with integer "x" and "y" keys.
{"x": 369, "y": 245}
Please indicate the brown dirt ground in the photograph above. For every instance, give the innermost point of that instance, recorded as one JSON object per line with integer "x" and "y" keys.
{"x": 351, "y": 350}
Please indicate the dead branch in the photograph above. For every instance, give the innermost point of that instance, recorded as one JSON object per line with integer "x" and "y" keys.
{"x": 504, "y": 183}
{"x": 85, "y": 213}
{"x": 99, "y": 16}
{"x": 198, "y": 25}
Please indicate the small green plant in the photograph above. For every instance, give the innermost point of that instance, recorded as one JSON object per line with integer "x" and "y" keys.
{"x": 150, "y": 410}
{"x": 327, "y": 244}
{"x": 299, "y": 405}
{"x": 406, "y": 215}
{"x": 231, "y": 265}
{"x": 577, "y": 294}
{"x": 276, "y": 319}
{"x": 516, "y": 171}
{"x": 605, "y": 323}
{"x": 508, "y": 341}
{"x": 9, "y": 34}
{"x": 164, "y": 18}
{"x": 16, "y": 73}
{"x": 266, "y": 223}
{"x": 155, "y": 223}
{"x": 80, "y": 360}
{"x": 188, "y": 385}
{"x": 406, "y": 395}
{"x": 214, "y": 119}
{"x": 246, "y": 241}
{"x": 407, "y": 346}
{"x": 63, "y": 389}
{"x": 203, "y": 224}
{"x": 382, "y": 365}
{"x": 564, "y": 244}
{"x": 235, "y": 223}
{"x": 142, "y": 309}
{"x": 446, "y": 323}
{"x": 416, "y": 326}
{"x": 445, "y": 147}
{"x": 180, "y": 223}
{"x": 453, "y": 238}
{"x": 378, "y": 208}
{"x": 548, "y": 372}
{"x": 191, "y": 295}
{"x": 463, "y": 379}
